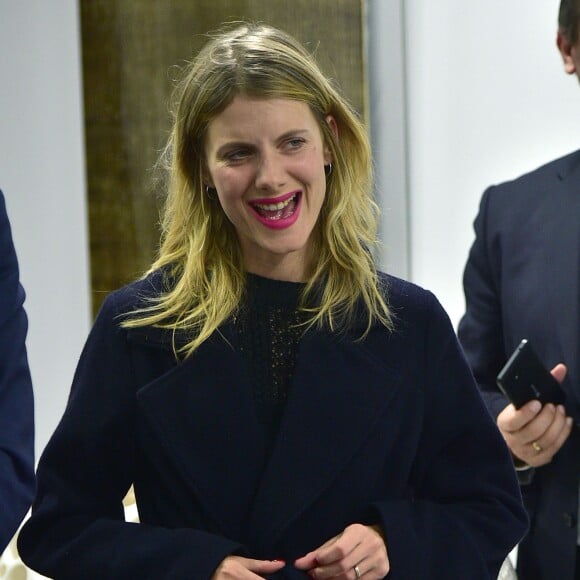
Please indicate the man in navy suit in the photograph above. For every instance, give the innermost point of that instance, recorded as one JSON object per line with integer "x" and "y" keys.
{"x": 16, "y": 399}
{"x": 522, "y": 280}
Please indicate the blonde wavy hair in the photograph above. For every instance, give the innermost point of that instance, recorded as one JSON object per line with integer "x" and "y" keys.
{"x": 199, "y": 250}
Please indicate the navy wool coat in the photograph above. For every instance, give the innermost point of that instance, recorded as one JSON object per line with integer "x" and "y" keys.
{"x": 388, "y": 430}
{"x": 522, "y": 280}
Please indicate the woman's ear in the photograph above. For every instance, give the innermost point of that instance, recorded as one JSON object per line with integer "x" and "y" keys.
{"x": 331, "y": 121}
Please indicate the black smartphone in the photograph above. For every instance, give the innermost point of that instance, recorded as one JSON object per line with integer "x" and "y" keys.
{"x": 524, "y": 378}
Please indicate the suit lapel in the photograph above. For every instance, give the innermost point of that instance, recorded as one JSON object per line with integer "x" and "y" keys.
{"x": 339, "y": 392}
{"x": 561, "y": 249}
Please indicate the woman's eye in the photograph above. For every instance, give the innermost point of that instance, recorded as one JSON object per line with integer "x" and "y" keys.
{"x": 295, "y": 143}
{"x": 237, "y": 155}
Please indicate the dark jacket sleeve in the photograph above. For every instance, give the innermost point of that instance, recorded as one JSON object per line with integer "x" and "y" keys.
{"x": 465, "y": 512}
{"x": 77, "y": 527}
{"x": 16, "y": 399}
{"x": 480, "y": 330}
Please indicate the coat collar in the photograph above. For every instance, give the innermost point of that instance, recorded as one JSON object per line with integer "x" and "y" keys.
{"x": 202, "y": 416}
{"x": 568, "y": 167}
{"x": 203, "y": 413}
{"x": 339, "y": 392}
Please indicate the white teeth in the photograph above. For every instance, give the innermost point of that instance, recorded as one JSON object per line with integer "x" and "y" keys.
{"x": 275, "y": 206}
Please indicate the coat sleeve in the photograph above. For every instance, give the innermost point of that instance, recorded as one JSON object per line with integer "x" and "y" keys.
{"x": 77, "y": 527}
{"x": 16, "y": 399}
{"x": 464, "y": 512}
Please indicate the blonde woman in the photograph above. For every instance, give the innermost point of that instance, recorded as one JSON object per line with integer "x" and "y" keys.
{"x": 282, "y": 409}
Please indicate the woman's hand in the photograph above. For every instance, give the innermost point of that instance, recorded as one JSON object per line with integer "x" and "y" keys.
{"x": 238, "y": 568}
{"x": 358, "y": 552}
{"x": 535, "y": 433}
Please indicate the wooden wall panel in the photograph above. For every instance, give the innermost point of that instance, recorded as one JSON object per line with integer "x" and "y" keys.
{"x": 130, "y": 51}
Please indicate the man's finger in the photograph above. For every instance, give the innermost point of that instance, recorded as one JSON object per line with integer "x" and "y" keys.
{"x": 511, "y": 419}
{"x": 559, "y": 372}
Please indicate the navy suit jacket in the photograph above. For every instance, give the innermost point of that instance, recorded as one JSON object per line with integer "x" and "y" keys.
{"x": 16, "y": 400}
{"x": 387, "y": 430}
{"x": 522, "y": 280}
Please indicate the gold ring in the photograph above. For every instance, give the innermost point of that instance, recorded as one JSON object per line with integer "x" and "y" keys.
{"x": 537, "y": 447}
{"x": 357, "y": 572}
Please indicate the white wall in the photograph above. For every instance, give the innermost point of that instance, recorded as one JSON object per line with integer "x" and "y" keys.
{"x": 389, "y": 130}
{"x": 42, "y": 176}
{"x": 487, "y": 101}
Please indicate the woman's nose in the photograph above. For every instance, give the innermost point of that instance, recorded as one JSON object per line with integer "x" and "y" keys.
{"x": 271, "y": 173}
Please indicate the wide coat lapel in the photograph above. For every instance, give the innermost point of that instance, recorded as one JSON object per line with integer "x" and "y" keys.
{"x": 340, "y": 390}
{"x": 202, "y": 415}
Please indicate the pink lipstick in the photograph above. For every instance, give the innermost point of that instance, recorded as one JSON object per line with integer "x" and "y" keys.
{"x": 278, "y": 212}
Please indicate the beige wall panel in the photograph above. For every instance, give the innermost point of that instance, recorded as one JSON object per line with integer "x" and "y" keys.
{"x": 131, "y": 51}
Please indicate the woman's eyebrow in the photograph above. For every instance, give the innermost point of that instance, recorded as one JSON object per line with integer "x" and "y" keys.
{"x": 235, "y": 142}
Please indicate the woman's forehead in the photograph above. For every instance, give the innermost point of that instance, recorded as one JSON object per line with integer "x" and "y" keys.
{"x": 248, "y": 116}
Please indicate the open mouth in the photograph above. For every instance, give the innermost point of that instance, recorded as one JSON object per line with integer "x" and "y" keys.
{"x": 277, "y": 210}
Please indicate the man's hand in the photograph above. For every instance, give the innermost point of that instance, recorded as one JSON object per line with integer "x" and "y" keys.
{"x": 534, "y": 434}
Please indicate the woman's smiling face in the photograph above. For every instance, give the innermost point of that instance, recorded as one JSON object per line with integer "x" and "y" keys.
{"x": 266, "y": 158}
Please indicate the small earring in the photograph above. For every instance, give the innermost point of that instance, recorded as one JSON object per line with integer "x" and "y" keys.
{"x": 210, "y": 192}
{"x": 328, "y": 169}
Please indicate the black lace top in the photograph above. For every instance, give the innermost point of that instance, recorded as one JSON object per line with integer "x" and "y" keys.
{"x": 269, "y": 335}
